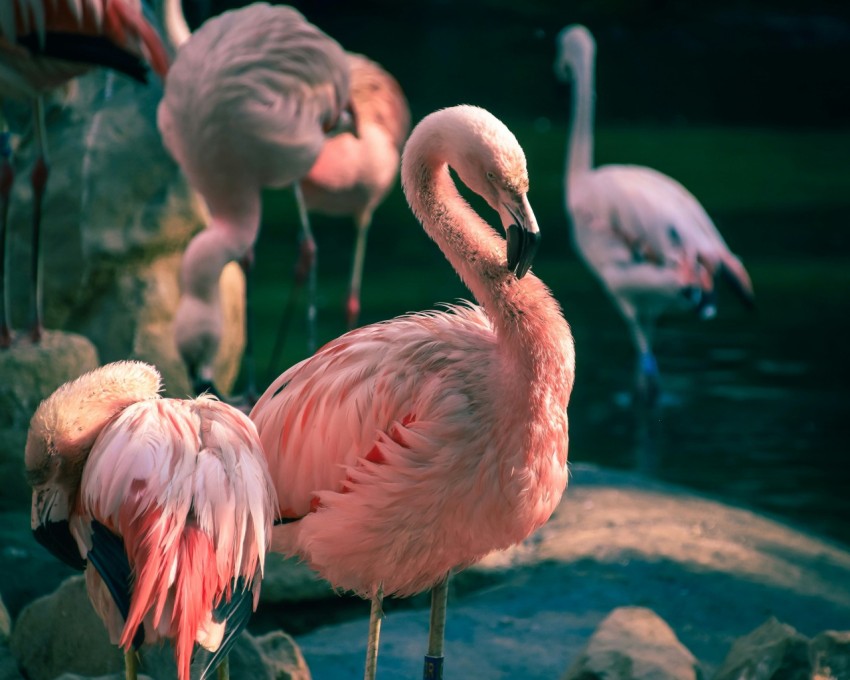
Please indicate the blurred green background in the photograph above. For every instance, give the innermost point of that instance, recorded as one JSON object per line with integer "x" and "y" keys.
{"x": 746, "y": 104}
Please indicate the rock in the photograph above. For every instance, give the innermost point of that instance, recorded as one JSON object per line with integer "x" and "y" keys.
{"x": 773, "y": 651}
{"x": 117, "y": 216}
{"x": 61, "y": 632}
{"x": 829, "y": 653}
{"x": 633, "y": 643}
{"x": 8, "y": 665}
{"x": 289, "y": 580}
{"x": 31, "y": 373}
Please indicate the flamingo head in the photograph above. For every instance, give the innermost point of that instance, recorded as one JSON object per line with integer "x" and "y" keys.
{"x": 575, "y": 45}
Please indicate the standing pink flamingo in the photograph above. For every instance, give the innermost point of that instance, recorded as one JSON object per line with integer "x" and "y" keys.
{"x": 250, "y": 98}
{"x": 168, "y": 501}
{"x": 406, "y": 449}
{"x": 353, "y": 174}
{"x": 43, "y": 44}
{"x": 645, "y": 236}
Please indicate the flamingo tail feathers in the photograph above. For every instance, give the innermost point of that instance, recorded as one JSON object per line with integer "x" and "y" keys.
{"x": 109, "y": 558}
{"x": 89, "y": 50}
{"x": 234, "y": 614}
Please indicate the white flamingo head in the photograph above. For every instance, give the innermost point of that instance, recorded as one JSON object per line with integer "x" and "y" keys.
{"x": 575, "y": 46}
{"x": 489, "y": 160}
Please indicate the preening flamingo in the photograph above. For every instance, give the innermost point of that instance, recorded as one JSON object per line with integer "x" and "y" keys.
{"x": 166, "y": 503}
{"x": 43, "y": 44}
{"x": 647, "y": 239}
{"x": 249, "y": 100}
{"x": 406, "y": 449}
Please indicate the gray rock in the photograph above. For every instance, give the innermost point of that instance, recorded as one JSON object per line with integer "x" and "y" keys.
{"x": 8, "y": 665}
{"x": 118, "y": 214}
{"x": 61, "y": 632}
{"x": 31, "y": 373}
{"x": 829, "y": 652}
{"x": 773, "y": 651}
{"x": 634, "y": 643}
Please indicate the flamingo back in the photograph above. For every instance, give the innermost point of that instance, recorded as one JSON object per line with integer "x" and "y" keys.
{"x": 253, "y": 91}
{"x": 185, "y": 485}
{"x": 394, "y": 444}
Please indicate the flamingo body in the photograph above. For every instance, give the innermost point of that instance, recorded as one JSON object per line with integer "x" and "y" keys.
{"x": 412, "y": 447}
{"x": 171, "y": 496}
{"x": 249, "y": 100}
{"x": 647, "y": 238}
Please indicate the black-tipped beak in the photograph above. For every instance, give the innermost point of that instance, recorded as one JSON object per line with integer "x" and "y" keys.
{"x": 523, "y": 236}
{"x": 57, "y": 538}
{"x": 347, "y": 122}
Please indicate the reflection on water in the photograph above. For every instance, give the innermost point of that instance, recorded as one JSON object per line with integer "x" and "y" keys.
{"x": 755, "y": 411}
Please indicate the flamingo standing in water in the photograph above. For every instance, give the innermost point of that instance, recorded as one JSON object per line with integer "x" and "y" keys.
{"x": 43, "y": 44}
{"x": 406, "y": 449}
{"x": 645, "y": 236}
{"x": 249, "y": 101}
{"x": 168, "y": 501}
{"x": 354, "y": 174}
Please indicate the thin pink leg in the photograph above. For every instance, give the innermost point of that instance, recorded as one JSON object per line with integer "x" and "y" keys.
{"x": 7, "y": 176}
{"x": 39, "y": 182}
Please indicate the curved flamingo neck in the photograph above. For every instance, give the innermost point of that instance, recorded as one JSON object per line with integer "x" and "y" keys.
{"x": 173, "y": 20}
{"x": 580, "y": 149}
{"x": 526, "y": 317}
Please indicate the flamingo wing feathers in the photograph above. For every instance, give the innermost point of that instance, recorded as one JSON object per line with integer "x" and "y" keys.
{"x": 367, "y": 398}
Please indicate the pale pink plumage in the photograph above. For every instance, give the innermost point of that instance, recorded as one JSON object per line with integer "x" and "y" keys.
{"x": 416, "y": 446}
{"x": 646, "y": 237}
{"x": 184, "y": 485}
{"x": 249, "y": 100}
{"x": 353, "y": 174}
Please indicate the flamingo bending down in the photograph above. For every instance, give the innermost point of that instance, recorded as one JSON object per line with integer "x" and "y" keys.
{"x": 249, "y": 100}
{"x": 171, "y": 496}
{"x": 645, "y": 236}
{"x": 409, "y": 448}
{"x": 43, "y": 44}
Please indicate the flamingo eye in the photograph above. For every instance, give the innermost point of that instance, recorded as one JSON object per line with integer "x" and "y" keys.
{"x": 491, "y": 176}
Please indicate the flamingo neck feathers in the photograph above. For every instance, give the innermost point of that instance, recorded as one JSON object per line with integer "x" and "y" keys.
{"x": 580, "y": 150}
{"x": 525, "y": 316}
{"x": 171, "y": 17}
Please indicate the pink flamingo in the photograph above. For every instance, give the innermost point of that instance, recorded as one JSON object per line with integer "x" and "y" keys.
{"x": 168, "y": 501}
{"x": 43, "y": 44}
{"x": 354, "y": 174}
{"x": 406, "y": 449}
{"x": 645, "y": 236}
{"x": 250, "y": 98}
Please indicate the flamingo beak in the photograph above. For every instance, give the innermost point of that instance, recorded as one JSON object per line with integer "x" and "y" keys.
{"x": 347, "y": 122}
{"x": 50, "y": 526}
{"x": 523, "y": 234}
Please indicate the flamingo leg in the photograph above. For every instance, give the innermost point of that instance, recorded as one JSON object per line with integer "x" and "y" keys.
{"x": 7, "y": 176}
{"x": 39, "y": 183}
{"x": 352, "y": 308}
{"x": 131, "y": 665}
{"x": 246, "y": 263}
{"x": 307, "y": 266}
{"x": 376, "y": 613}
{"x": 433, "y": 669}
{"x": 223, "y": 671}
